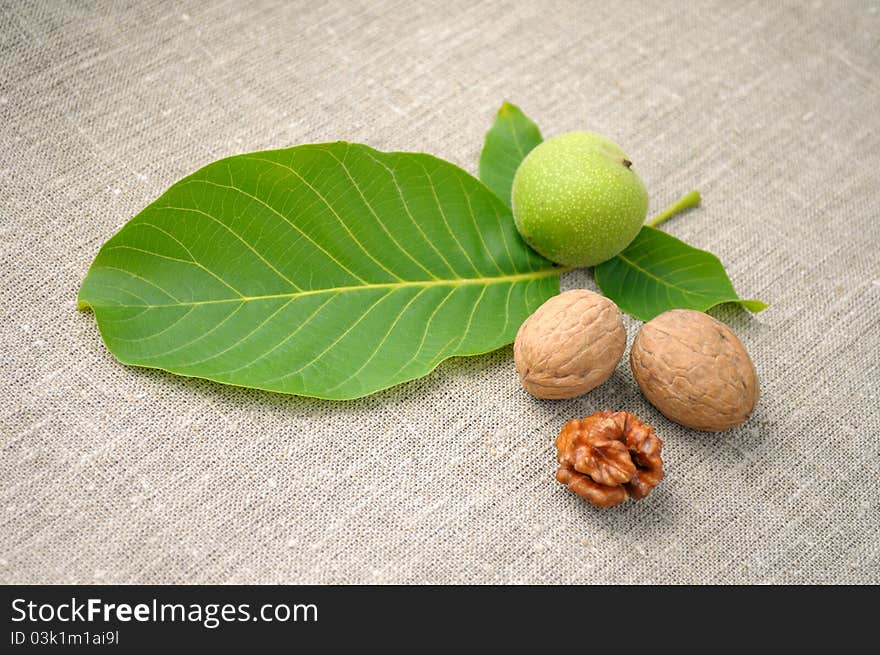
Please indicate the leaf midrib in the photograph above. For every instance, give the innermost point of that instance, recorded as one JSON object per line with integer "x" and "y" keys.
{"x": 649, "y": 274}
{"x": 500, "y": 279}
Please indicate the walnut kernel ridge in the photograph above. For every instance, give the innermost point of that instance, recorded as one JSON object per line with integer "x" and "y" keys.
{"x": 608, "y": 456}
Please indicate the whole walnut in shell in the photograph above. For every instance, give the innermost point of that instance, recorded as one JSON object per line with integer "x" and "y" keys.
{"x": 695, "y": 371}
{"x": 570, "y": 345}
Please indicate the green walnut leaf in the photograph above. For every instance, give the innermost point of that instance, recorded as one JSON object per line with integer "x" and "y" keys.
{"x": 657, "y": 272}
{"x": 327, "y": 270}
{"x": 508, "y": 141}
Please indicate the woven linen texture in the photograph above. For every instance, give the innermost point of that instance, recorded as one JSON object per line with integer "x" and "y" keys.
{"x": 112, "y": 474}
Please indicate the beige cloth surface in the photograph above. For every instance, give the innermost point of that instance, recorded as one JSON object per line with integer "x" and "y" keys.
{"x": 114, "y": 474}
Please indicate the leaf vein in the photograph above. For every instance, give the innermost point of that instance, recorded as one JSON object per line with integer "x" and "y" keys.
{"x": 476, "y": 226}
{"x": 321, "y": 354}
{"x": 460, "y": 282}
{"x": 432, "y": 185}
{"x": 376, "y": 215}
{"x": 232, "y": 187}
{"x": 235, "y": 234}
{"x": 409, "y": 212}
{"x": 177, "y": 259}
{"x": 332, "y": 209}
{"x": 142, "y": 279}
{"x": 160, "y": 332}
{"x": 659, "y": 280}
{"x": 238, "y": 342}
{"x": 197, "y": 339}
{"x": 381, "y": 343}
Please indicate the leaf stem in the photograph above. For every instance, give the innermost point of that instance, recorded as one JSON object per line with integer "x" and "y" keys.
{"x": 685, "y": 202}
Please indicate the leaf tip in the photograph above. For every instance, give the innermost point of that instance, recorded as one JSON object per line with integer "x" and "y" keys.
{"x": 754, "y": 306}
{"x": 82, "y": 305}
{"x": 506, "y": 109}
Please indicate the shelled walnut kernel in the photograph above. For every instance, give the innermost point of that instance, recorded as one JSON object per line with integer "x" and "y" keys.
{"x": 608, "y": 456}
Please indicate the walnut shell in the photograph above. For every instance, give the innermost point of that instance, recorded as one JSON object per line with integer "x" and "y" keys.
{"x": 571, "y": 344}
{"x": 695, "y": 371}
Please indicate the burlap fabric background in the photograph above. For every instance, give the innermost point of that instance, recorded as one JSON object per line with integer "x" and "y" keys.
{"x": 114, "y": 474}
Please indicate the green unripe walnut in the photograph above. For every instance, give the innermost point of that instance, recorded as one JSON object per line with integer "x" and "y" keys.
{"x": 577, "y": 200}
